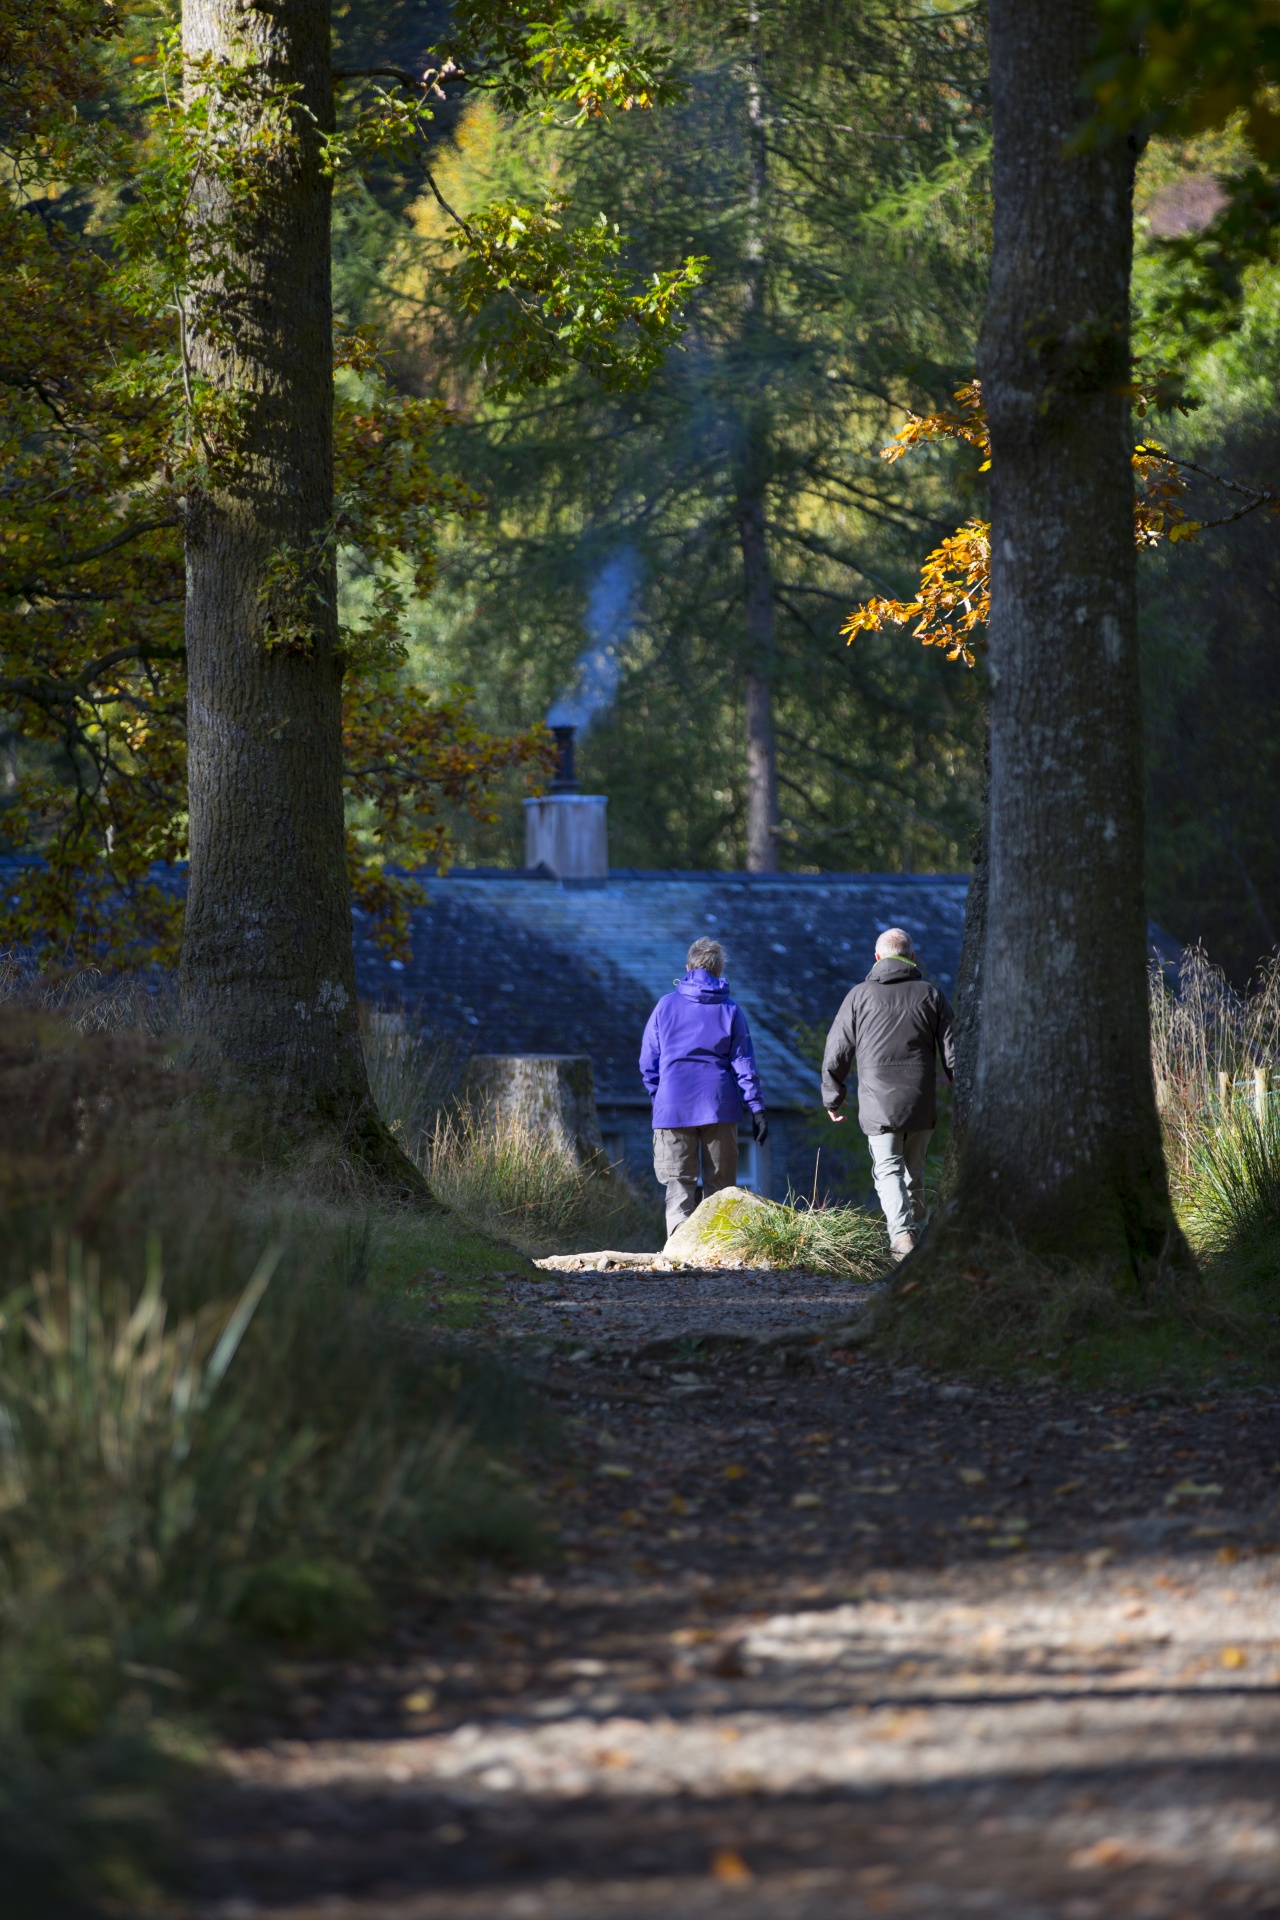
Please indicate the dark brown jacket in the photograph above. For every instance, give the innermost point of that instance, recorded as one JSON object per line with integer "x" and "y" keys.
{"x": 889, "y": 1031}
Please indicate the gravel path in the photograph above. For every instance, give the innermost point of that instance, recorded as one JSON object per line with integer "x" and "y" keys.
{"x": 623, "y": 1309}
{"x": 820, "y": 1640}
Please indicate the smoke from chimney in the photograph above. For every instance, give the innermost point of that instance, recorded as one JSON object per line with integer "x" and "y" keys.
{"x": 610, "y": 617}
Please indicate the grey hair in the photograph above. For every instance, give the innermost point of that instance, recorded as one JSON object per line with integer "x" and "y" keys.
{"x": 895, "y": 943}
{"x": 708, "y": 954}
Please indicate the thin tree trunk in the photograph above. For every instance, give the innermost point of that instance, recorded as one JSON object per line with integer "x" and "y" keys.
{"x": 757, "y": 572}
{"x": 267, "y": 973}
{"x": 762, "y": 744}
{"x": 1062, "y": 1144}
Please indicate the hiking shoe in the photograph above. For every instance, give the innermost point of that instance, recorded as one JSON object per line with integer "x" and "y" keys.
{"x": 902, "y": 1246}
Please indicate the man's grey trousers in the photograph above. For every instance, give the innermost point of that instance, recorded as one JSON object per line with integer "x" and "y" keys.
{"x": 675, "y": 1161}
{"x": 897, "y": 1166}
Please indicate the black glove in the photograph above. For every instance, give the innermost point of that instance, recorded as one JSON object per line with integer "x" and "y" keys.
{"x": 760, "y": 1127}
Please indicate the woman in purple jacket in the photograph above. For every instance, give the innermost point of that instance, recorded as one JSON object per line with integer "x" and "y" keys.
{"x": 698, "y": 1064}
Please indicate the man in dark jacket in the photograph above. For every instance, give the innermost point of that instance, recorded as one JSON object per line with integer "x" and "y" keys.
{"x": 890, "y": 1030}
{"x": 697, "y": 1061}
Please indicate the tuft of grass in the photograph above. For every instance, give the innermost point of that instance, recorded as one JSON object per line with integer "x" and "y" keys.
{"x": 1230, "y": 1192}
{"x": 846, "y": 1242}
{"x": 509, "y": 1179}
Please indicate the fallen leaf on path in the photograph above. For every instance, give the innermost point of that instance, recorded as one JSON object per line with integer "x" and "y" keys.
{"x": 612, "y": 1471}
{"x": 806, "y": 1500}
{"x": 1103, "y": 1853}
{"x": 420, "y": 1702}
{"x": 1233, "y": 1657}
{"x": 729, "y": 1867}
{"x": 734, "y": 1473}
{"x": 972, "y": 1476}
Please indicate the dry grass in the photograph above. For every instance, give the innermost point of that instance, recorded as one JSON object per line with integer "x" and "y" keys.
{"x": 508, "y": 1179}
{"x": 502, "y": 1176}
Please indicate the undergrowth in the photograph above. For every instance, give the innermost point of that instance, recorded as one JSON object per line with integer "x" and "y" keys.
{"x": 992, "y": 1306}
{"x": 220, "y": 1434}
{"x": 995, "y": 1308}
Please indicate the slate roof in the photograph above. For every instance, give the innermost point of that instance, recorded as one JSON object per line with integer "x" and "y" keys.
{"x": 514, "y": 963}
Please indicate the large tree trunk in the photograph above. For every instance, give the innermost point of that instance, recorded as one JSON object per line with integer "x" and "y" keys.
{"x": 267, "y": 974}
{"x": 1062, "y": 1144}
{"x": 753, "y": 530}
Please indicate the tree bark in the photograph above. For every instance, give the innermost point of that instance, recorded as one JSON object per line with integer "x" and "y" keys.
{"x": 1062, "y": 1143}
{"x": 757, "y": 572}
{"x": 267, "y": 970}
{"x": 761, "y": 740}
{"x": 968, "y": 1007}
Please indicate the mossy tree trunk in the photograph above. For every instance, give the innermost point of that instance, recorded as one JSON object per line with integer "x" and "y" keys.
{"x": 1061, "y": 1143}
{"x": 267, "y": 970}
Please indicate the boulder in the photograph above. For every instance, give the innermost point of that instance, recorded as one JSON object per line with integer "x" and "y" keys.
{"x": 700, "y": 1241}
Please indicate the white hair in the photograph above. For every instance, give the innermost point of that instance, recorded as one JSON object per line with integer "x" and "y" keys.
{"x": 895, "y": 943}
{"x": 707, "y": 953}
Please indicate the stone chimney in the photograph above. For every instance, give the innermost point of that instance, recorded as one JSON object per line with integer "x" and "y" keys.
{"x": 565, "y": 831}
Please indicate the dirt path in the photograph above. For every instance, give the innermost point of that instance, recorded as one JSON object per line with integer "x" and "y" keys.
{"x": 823, "y": 1641}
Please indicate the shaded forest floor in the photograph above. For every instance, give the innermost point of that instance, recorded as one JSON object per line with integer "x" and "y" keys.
{"x": 816, "y": 1639}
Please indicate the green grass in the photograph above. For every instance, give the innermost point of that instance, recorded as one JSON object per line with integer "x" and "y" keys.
{"x": 845, "y": 1242}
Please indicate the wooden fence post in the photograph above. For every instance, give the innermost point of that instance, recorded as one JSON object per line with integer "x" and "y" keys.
{"x": 1224, "y": 1090}
{"x": 1261, "y": 1088}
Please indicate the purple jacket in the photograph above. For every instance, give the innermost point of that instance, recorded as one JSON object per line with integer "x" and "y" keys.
{"x": 696, "y": 1057}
